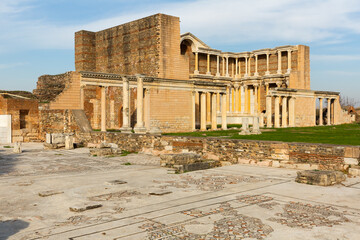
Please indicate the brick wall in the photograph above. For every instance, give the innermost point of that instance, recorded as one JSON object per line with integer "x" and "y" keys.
{"x": 295, "y": 155}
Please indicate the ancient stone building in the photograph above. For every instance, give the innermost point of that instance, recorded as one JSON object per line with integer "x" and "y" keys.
{"x": 145, "y": 76}
{"x": 19, "y": 117}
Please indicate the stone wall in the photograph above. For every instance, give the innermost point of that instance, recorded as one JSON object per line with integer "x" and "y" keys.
{"x": 50, "y": 86}
{"x": 57, "y": 121}
{"x": 265, "y": 153}
{"x": 149, "y": 46}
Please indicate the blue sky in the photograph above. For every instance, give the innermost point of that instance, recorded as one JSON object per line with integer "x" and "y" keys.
{"x": 37, "y": 36}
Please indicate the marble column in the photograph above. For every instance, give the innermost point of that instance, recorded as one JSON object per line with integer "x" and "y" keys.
{"x": 232, "y": 99}
{"x": 139, "y": 128}
{"x": 292, "y": 112}
{"x": 252, "y": 101}
{"x": 256, "y": 108}
{"x": 256, "y": 66}
{"x": 249, "y": 67}
{"x": 289, "y": 62}
{"x": 213, "y": 112}
{"x": 277, "y": 112}
{"x": 218, "y": 66}
{"x": 242, "y": 108}
{"x": 279, "y": 63}
{"x": 267, "y": 64}
{"x": 203, "y": 111}
{"x": 223, "y": 112}
{"x": 328, "y": 111}
{"x": 236, "y": 98}
{"x": 236, "y": 68}
{"x": 228, "y": 99}
{"x": 208, "y": 65}
{"x": 332, "y": 112}
{"x": 227, "y": 67}
{"x": 223, "y": 67}
{"x": 268, "y": 112}
{"x": 321, "y": 111}
{"x": 246, "y": 67}
{"x": 193, "y": 110}
{"x": 218, "y": 102}
{"x": 196, "y": 63}
{"x": 103, "y": 108}
{"x": 284, "y": 114}
{"x": 208, "y": 108}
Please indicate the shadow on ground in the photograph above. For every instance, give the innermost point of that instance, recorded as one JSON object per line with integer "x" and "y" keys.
{"x": 11, "y": 227}
{"x": 7, "y": 162}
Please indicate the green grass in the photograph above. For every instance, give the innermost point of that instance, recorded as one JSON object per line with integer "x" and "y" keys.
{"x": 346, "y": 134}
{"x": 8, "y": 147}
{"x": 127, "y": 164}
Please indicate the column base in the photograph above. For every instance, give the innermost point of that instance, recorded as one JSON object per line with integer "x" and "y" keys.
{"x": 208, "y": 73}
{"x": 196, "y": 72}
{"x": 288, "y": 71}
{"x": 267, "y": 73}
{"x": 279, "y": 72}
{"x": 217, "y": 74}
{"x": 140, "y": 130}
{"x": 126, "y": 130}
{"x": 256, "y": 74}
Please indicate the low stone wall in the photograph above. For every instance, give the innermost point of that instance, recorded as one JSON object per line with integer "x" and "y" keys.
{"x": 232, "y": 151}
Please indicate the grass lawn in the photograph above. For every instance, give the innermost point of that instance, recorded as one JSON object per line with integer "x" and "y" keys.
{"x": 346, "y": 134}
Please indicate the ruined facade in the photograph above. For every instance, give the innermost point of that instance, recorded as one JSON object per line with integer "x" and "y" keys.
{"x": 145, "y": 76}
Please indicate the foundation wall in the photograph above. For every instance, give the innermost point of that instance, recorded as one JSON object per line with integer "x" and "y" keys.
{"x": 276, "y": 154}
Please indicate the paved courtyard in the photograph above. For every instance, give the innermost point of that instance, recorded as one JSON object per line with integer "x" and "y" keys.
{"x": 136, "y": 199}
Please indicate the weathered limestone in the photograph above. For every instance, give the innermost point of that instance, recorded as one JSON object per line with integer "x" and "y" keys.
{"x": 268, "y": 112}
{"x": 320, "y": 111}
{"x": 245, "y": 126}
{"x": 17, "y": 147}
{"x": 49, "y": 193}
{"x": 140, "y": 128}
{"x": 321, "y": 178}
{"x": 203, "y": 111}
{"x": 255, "y": 128}
{"x": 103, "y": 108}
{"x": 84, "y": 207}
{"x": 213, "y": 112}
{"x": 277, "y": 112}
{"x": 223, "y": 112}
{"x": 284, "y": 113}
{"x": 69, "y": 142}
{"x": 126, "y": 110}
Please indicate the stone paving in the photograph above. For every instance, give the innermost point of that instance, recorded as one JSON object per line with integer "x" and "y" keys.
{"x": 232, "y": 202}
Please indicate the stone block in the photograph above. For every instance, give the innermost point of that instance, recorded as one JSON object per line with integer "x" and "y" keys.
{"x": 351, "y": 161}
{"x": 18, "y": 139}
{"x": 168, "y": 148}
{"x": 48, "y": 138}
{"x": 103, "y": 152}
{"x": 275, "y": 164}
{"x": 265, "y": 163}
{"x": 354, "y": 171}
{"x": 17, "y": 147}
{"x": 179, "y": 159}
{"x": 93, "y": 145}
{"x": 321, "y": 178}
{"x": 84, "y": 207}
{"x": 58, "y": 138}
{"x": 49, "y": 193}
{"x": 69, "y": 142}
{"x": 243, "y": 161}
{"x": 225, "y": 163}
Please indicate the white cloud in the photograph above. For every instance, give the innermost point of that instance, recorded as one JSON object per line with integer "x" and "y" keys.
{"x": 214, "y": 21}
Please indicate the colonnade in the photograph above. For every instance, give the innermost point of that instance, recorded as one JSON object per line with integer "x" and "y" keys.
{"x": 287, "y": 106}
{"x": 247, "y": 62}
{"x": 329, "y": 113}
{"x": 207, "y": 110}
{"x": 243, "y": 98}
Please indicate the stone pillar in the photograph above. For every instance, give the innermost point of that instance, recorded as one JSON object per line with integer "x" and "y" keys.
{"x": 227, "y": 67}
{"x": 218, "y": 66}
{"x": 228, "y": 99}
{"x": 236, "y": 68}
{"x": 284, "y": 112}
{"x": 267, "y": 63}
{"x": 196, "y": 63}
{"x": 203, "y": 111}
{"x": 223, "y": 66}
{"x": 277, "y": 112}
{"x": 95, "y": 118}
{"x": 249, "y": 67}
{"x": 259, "y": 99}
{"x": 147, "y": 111}
{"x": 268, "y": 112}
{"x": 267, "y": 88}
{"x": 197, "y": 109}
{"x": 292, "y": 112}
{"x": 103, "y": 108}
{"x": 69, "y": 142}
{"x": 246, "y": 67}
{"x": 218, "y": 102}
{"x": 289, "y": 62}
{"x": 256, "y": 66}
{"x": 321, "y": 112}
{"x": 256, "y": 103}
{"x": 139, "y": 128}
{"x": 82, "y": 97}
{"x": 112, "y": 114}
{"x": 252, "y": 101}
{"x": 232, "y": 108}
{"x": 208, "y": 108}
{"x": 242, "y": 109}
{"x": 18, "y": 147}
{"x": 328, "y": 111}
{"x": 236, "y": 98}
{"x": 279, "y": 63}
{"x": 332, "y": 112}
{"x": 193, "y": 111}
{"x": 126, "y": 109}
{"x": 208, "y": 65}
{"x": 239, "y": 68}
{"x": 213, "y": 112}
{"x": 223, "y": 112}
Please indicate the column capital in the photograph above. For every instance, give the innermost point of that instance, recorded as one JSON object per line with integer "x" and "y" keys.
{"x": 236, "y": 86}
{"x": 125, "y": 79}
